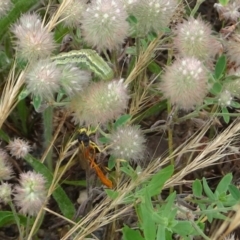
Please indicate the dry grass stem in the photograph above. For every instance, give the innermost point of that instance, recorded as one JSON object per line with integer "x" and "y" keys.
{"x": 213, "y": 152}
{"x": 10, "y": 93}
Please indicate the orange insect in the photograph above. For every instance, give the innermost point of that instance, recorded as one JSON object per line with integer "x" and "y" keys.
{"x": 89, "y": 146}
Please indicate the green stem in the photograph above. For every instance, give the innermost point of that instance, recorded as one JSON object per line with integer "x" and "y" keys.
{"x": 195, "y": 9}
{"x": 48, "y": 129}
{"x": 16, "y": 219}
{"x": 20, "y": 7}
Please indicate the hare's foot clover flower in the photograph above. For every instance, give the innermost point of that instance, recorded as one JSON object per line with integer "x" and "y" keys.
{"x": 100, "y": 102}
{"x": 128, "y": 143}
{"x": 6, "y": 171}
{"x": 185, "y": 83}
{"x": 30, "y": 194}
{"x": 43, "y": 79}
{"x": 104, "y": 24}
{"x": 194, "y": 39}
{"x": 33, "y": 39}
{"x": 19, "y": 148}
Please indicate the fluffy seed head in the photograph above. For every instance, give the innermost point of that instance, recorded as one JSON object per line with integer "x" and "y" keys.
{"x": 233, "y": 48}
{"x": 100, "y": 102}
{"x": 33, "y": 39}
{"x": 73, "y": 80}
{"x": 152, "y": 15}
{"x": 127, "y": 142}
{"x": 5, "y": 193}
{"x": 230, "y": 11}
{"x": 18, "y": 148}
{"x": 225, "y": 98}
{"x": 194, "y": 39}
{"x": 43, "y": 79}
{"x": 185, "y": 83}
{"x": 72, "y": 14}
{"x": 31, "y": 193}
{"x": 6, "y": 171}
{"x": 5, "y": 6}
{"x": 104, "y": 24}
{"x": 233, "y": 86}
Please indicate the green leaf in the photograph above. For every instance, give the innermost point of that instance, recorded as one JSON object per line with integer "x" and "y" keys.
{"x": 131, "y": 51}
{"x": 112, "y": 194}
{"x": 111, "y": 162}
{"x": 75, "y": 183}
{"x": 224, "y": 2}
{"x": 234, "y": 192}
{"x": 64, "y": 203}
{"x": 153, "y": 67}
{"x": 157, "y": 182}
{"x": 224, "y": 183}
{"x": 235, "y": 104}
{"x": 161, "y": 232}
{"x": 122, "y": 120}
{"x": 132, "y": 19}
{"x": 208, "y": 191}
{"x": 151, "y": 111}
{"x": 216, "y": 88}
{"x": 4, "y": 136}
{"x": 197, "y": 188}
{"x": 220, "y": 66}
{"x": 130, "y": 234}
{"x": 37, "y": 103}
{"x": 23, "y": 94}
{"x": 7, "y": 218}
{"x": 210, "y": 101}
{"x": 23, "y": 113}
{"x": 147, "y": 222}
{"x": 127, "y": 169}
{"x": 226, "y": 116}
{"x": 183, "y": 228}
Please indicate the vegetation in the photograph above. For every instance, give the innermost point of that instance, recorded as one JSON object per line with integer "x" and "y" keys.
{"x": 120, "y": 116}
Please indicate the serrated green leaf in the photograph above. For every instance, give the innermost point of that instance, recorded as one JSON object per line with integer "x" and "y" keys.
{"x": 220, "y": 66}
{"x": 197, "y": 188}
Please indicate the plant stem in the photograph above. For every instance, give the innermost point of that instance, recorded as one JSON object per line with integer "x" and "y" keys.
{"x": 48, "y": 128}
